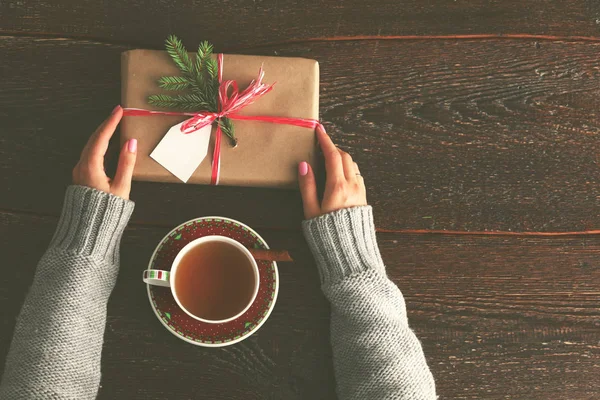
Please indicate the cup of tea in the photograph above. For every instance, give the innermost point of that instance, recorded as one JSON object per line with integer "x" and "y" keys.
{"x": 213, "y": 279}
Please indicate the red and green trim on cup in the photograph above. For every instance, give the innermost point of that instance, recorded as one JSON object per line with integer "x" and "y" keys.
{"x": 158, "y": 275}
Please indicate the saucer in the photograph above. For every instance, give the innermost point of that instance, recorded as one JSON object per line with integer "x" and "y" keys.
{"x": 202, "y": 333}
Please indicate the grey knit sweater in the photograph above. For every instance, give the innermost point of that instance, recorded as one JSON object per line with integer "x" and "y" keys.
{"x": 57, "y": 343}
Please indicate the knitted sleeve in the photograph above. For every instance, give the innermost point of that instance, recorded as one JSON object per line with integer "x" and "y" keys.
{"x": 57, "y": 342}
{"x": 376, "y": 355}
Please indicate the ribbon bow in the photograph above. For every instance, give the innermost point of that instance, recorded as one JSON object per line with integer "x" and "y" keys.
{"x": 228, "y": 103}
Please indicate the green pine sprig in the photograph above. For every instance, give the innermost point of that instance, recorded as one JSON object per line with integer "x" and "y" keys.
{"x": 212, "y": 68}
{"x": 174, "y": 82}
{"x": 179, "y": 54}
{"x": 189, "y": 101}
{"x": 203, "y": 54}
{"x": 199, "y": 78}
{"x": 227, "y": 128}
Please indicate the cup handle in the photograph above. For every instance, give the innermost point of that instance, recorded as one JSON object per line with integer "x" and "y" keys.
{"x": 157, "y": 277}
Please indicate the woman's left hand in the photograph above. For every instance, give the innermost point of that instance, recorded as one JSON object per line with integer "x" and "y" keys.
{"x": 344, "y": 187}
{"x": 89, "y": 171}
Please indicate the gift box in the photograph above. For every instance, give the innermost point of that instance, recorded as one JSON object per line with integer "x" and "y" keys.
{"x": 266, "y": 155}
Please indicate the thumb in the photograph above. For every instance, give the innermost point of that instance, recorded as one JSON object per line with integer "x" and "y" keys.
{"x": 121, "y": 185}
{"x": 308, "y": 189}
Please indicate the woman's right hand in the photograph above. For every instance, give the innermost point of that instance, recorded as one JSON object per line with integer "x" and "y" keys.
{"x": 89, "y": 171}
{"x": 344, "y": 186}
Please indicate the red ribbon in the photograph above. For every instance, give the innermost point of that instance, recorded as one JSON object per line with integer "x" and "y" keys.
{"x": 229, "y": 105}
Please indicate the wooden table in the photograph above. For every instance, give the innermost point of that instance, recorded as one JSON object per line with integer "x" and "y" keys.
{"x": 475, "y": 125}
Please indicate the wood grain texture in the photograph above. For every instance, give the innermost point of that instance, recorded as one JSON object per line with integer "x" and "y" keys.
{"x": 235, "y": 23}
{"x": 510, "y": 317}
{"x": 450, "y": 135}
{"x": 498, "y": 317}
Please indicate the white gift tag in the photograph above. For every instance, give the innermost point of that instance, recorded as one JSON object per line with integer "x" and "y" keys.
{"x": 181, "y": 153}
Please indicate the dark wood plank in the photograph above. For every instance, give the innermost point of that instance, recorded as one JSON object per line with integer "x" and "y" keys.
{"x": 235, "y": 24}
{"x": 503, "y": 317}
{"x": 498, "y": 317}
{"x": 456, "y": 135}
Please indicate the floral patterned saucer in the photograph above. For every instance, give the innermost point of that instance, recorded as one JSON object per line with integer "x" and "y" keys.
{"x": 201, "y": 333}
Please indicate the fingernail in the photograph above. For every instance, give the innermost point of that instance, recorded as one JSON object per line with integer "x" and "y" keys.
{"x": 115, "y": 109}
{"x": 303, "y": 168}
{"x": 132, "y": 145}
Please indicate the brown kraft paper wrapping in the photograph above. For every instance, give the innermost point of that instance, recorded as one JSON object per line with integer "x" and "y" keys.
{"x": 267, "y": 154}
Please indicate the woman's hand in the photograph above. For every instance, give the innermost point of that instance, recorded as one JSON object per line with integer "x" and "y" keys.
{"x": 89, "y": 171}
{"x": 344, "y": 186}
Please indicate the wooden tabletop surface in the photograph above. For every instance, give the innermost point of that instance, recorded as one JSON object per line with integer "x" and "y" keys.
{"x": 475, "y": 125}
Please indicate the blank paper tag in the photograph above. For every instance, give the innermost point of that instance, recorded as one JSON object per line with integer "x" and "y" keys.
{"x": 181, "y": 153}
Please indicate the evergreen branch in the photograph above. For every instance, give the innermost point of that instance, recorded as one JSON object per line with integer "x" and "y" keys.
{"x": 227, "y": 128}
{"x": 200, "y": 76}
{"x": 212, "y": 92}
{"x": 174, "y": 82}
{"x": 206, "y": 49}
{"x": 195, "y": 97}
{"x": 212, "y": 68}
{"x": 204, "y": 53}
{"x": 198, "y": 64}
{"x": 199, "y": 73}
{"x": 182, "y": 101}
{"x": 179, "y": 55}
{"x": 197, "y": 86}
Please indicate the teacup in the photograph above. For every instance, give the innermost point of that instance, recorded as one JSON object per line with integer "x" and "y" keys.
{"x": 213, "y": 279}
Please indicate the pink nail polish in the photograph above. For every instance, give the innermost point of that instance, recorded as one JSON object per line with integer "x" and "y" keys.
{"x": 115, "y": 109}
{"x": 132, "y": 145}
{"x": 303, "y": 168}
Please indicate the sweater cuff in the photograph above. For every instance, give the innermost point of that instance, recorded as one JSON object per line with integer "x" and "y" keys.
{"x": 343, "y": 242}
{"x": 92, "y": 223}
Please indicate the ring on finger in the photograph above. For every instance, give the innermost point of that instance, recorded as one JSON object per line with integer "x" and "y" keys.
{"x": 357, "y": 170}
